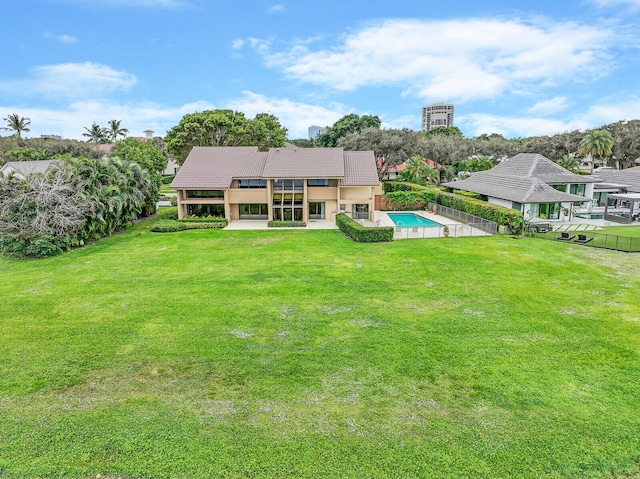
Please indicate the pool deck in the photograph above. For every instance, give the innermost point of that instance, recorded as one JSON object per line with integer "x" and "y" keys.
{"x": 413, "y": 232}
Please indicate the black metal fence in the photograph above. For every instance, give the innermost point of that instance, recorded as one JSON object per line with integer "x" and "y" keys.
{"x": 406, "y": 232}
{"x": 592, "y": 238}
{"x": 489, "y": 227}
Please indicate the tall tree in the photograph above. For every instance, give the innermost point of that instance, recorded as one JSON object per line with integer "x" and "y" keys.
{"x": 223, "y": 128}
{"x": 114, "y": 130}
{"x": 390, "y": 147}
{"x": 596, "y": 144}
{"x": 444, "y": 130}
{"x": 96, "y": 134}
{"x": 17, "y": 124}
{"x": 347, "y": 124}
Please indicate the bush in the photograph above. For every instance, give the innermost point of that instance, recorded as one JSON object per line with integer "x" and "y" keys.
{"x": 204, "y": 219}
{"x": 167, "y": 179}
{"x": 168, "y": 214}
{"x": 172, "y": 226}
{"x": 168, "y": 226}
{"x": 286, "y": 224}
{"x": 410, "y": 200}
{"x": 362, "y": 234}
{"x": 499, "y": 214}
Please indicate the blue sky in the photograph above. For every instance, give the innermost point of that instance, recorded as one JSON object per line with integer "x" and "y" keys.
{"x": 539, "y": 67}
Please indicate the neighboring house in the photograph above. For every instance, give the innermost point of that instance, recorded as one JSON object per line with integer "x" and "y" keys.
{"x": 23, "y": 168}
{"x": 172, "y": 167}
{"x": 533, "y": 185}
{"x": 617, "y": 195}
{"x": 301, "y": 184}
{"x": 395, "y": 172}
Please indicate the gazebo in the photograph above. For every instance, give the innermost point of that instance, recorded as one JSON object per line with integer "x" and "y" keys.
{"x": 626, "y": 200}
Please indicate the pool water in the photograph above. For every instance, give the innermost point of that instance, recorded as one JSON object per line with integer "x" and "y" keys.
{"x": 411, "y": 219}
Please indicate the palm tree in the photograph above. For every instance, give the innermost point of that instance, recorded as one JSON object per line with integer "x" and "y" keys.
{"x": 96, "y": 133}
{"x": 478, "y": 163}
{"x": 596, "y": 143}
{"x": 114, "y": 130}
{"x": 570, "y": 163}
{"x": 17, "y": 124}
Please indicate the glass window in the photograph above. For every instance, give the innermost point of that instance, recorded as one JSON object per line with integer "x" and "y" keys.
{"x": 277, "y": 184}
{"x": 297, "y": 214}
{"x": 287, "y": 214}
{"x": 298, "y": 184}
{"x": 562, "y": 188}
{"x": 205, "y": 210}
{"x": 318, "y": 182}
{"x": 577, "y": 189}
{"x": 252, "y": 183}
{"x": 205, "y": 194}
{"x": 298, "y": 198}
{"x": 277, "y": 214}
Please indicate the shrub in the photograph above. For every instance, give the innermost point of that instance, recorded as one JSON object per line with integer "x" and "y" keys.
{"x": 204, "y": 219}
{"x": 286, "y": 224}
{"x": 362, "y": 234}
{"x": 168, "y": 226}
{"x": 204, "y": 226}
{"x": 168, "y": 214}
{"x": 410, "y": 200}
{"x": 167, "y": 179}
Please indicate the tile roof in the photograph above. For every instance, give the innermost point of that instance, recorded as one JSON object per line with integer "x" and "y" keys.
{"x": 215, "y": 167}
{"x": 304, "y": 163}
{"x": 26, "y": 167}
{"x": 534, "y": 165}
{"x": 513, "y": 188}
{"x": 359, "y": 169}
{"x": 629, "y": 177}
{"x": 525, "y": 178}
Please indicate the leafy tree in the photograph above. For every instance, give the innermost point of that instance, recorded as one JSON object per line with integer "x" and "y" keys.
{"x": 147, "y": 156}
{"x": 302, "y": 143}
{"x": 478, "y": 163}
{"x": 390, "y": 147}
{"x": 114, "y": 131}
{"x": 418, "y": 171}
{"x": 96, "y": 134}
{"x": 223, "y": 128}
{"x": 347, "y": 124}
{"x": 444, "y": 130}
{"x": 596, "y": 144}
{"x": 17, "y": 124}
{"x": 570, "y": 163}
{"x": 626, "y": 142}
{"x": 265, "y": 131}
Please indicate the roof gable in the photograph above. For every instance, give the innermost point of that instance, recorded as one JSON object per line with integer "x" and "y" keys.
{"x": 534, "y": 165}
{"x": 304, "y": 163}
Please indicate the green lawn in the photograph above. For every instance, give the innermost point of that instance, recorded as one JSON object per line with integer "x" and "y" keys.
{"x": 282, "y": 354}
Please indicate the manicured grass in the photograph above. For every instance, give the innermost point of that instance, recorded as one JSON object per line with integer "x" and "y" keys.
{"x": 284, "y": 353}
{"x": 632, "y": 231}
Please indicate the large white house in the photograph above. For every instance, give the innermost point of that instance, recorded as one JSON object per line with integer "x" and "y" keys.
{"x": 533, "y": 185}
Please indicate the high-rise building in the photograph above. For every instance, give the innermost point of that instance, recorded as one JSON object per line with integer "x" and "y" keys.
{"x": 439, "y": 114}
{"x": 315, "y": 130}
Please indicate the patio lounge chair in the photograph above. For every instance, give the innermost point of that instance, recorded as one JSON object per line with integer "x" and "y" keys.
{"x": 583, "y": 239}
{"x": 564, "y": 236}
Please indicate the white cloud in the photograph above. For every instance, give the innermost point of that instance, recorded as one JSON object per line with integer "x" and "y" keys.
{"x": 553, "y": 105}
{"x": 594, "y": 116}
{"x": 296, "y": 117}
{"x": 71, "y": 80}
{"x": 71, "y": 120}
{"x": 276, "y": 9}
{"x": 452, "y": 60}
{"x": 615, "y": 3}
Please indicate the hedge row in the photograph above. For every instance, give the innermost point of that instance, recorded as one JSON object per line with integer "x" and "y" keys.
{"x": 172, "y": 226}
{"x": 362, "y": 234}
{"x": 286, "y": 224}
{"x": 499, "y": 214}
{"x": 205, "y": 219}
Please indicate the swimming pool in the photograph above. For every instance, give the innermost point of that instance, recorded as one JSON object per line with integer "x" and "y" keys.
{"x": 411, "y": 219}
